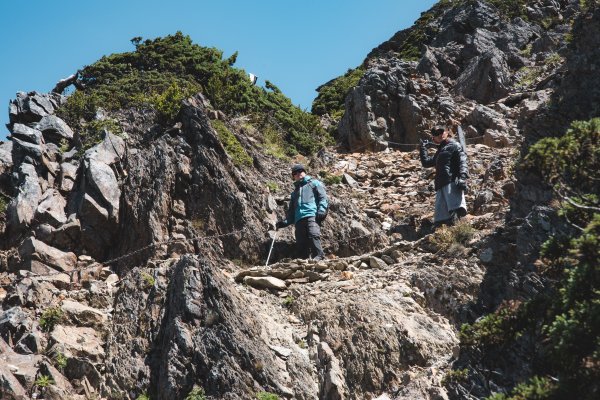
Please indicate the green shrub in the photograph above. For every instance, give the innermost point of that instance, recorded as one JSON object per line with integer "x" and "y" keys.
{"x": 148, "y": 280}
{"x": 332, "y": 95}
{"x": 446, "y": 236}
{"x": 50, "y": 317}
{"x": 288, "y": 301}
{"x": 275, "y": 144}
{"x": 3, "y": 203}
{"x": 232, "y": 146}
{"x": 197, "y": 393}
{"x": 535, "y": 389}
{"x": 43, "y": 381}
{"x": 510, "y": 9}
{"x": 143, "y": 396}
{"x": 266, "y": 396}
{"x": 527, "y": 76}
{"x": 455, "y": 376}
{"x": 272, "y": 186}
{"x": 500, "y": 327}
{"x": 330, "y": 179}
{"x": 162, "y": 72}
{"x": 92, "y": 132}
{"x": 566, "y": 318}
{"x": 61, "y": 360}
{"x": 168, "y": 103}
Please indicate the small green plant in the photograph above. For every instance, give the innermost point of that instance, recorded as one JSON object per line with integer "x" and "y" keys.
{"x": 301, "y": 343}
{"x": 447, "y": 236}
{"x": 197, "y": 393}
{"x": 496, "y": 328}
{"x": 526, "y": 52}
{"x": 3, "y": 203}
{"x": 61, "y": 360}
{"x": 455, "y": 376}
{"x": 50, "y": 317}
{"x": 148, "y": 279}
{"x": 43, "y": 381}
{"x": 266, "y": 396}
{"x": 275, "y": 144}
{"x": 64, "y": 146}
{"x": 553, "y": 59}
{"x": 288, "y": 301}
{"x": 232, "y": 146}
{"x": 526, "y": 76}
{"x": 91, "y": 132}
{"x": 535, "y": 389}
{"x": 168, "y": 103}
{"x": 330, "y": 179}
{"x": 272, "y": 186}
{"x": 198, "y": 224}
{"x": 332, "y": 95}
{"x": 143, "y": 396}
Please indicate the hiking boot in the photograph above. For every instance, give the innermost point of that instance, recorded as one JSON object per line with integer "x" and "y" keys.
{"x": 318, "y": 258}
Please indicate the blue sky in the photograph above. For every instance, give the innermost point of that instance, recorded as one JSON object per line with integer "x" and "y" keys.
{"x": 297, "y": 45}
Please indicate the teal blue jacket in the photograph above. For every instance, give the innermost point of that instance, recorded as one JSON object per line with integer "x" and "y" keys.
{"x": 307, "y": 200}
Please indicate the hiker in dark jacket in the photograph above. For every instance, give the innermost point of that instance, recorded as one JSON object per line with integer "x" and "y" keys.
{"x": 307, "y": 209}
{"x": 451, "y": 174}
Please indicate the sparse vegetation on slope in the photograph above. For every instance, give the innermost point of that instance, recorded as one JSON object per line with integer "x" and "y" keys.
{"x": 332, "y": 95}
{"x": 566, "y": 321}
{"x": 160, "y": 73}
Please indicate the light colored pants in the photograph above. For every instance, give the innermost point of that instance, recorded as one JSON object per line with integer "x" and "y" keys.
{"x": 447, "y": 199}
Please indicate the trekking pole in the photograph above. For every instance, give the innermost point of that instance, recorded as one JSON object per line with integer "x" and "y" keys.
{"x": 271, "y": 249}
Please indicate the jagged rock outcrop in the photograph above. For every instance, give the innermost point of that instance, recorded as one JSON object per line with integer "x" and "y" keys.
{"x": 471, "y": 53}
{"x": 136, "y": 266}
{"x": 32, "y": 107}
{"x": 207, "y": 334}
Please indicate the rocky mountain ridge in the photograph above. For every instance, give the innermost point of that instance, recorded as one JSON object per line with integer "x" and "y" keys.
{"x": 135, "y": 267}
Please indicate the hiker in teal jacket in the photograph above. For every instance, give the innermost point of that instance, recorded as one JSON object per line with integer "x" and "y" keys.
{"x": 307, "y": 209}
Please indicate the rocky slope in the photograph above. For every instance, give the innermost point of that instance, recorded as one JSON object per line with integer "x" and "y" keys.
{"x": 135, "y": 267}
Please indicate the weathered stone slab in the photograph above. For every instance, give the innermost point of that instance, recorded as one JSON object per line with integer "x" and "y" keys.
{"x": 265, "y": 282}
{"x": 51, "y": 209}
{"x": 22, "y": 209}
{"x": 35, "y": 250}
{"x": 77, "y": 342}
{"x": 54, "y": 129}
{"x": 83, "y": 315}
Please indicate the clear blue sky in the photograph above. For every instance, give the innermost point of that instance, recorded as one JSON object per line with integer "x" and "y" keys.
{"x": 297, "y": 45}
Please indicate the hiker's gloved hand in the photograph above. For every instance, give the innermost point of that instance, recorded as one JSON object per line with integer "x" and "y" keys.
{"x": 426, "y": 143}
{"x": 280, "y": 224}
{"x": 462, "y": 185}
{"x": 320, "y": 217}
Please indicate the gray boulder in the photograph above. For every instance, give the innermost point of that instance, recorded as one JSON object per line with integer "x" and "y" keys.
{"x": 482, "y": 118}
{"x": 33, "y": 106}
{"x": 77, "y": 342}
{"x": 51, "y": 209}
{"x": 384, "y": 107}
{"x": 54, "y": 129}
{"x": 103, "y": 184}
{"x": 82, "y": 315}
{"x": 67, "y": 176}
{"x": 486, "y": 78}
{"x": 109, "y": 151}
{"x": 32, "y": 250}
{"x": 22, "y": 208}
{"x": 27, "y": 134}
{"x": 6, "y": 161}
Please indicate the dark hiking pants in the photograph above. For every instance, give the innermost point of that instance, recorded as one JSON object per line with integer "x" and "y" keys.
{"x": 308, "y": 238}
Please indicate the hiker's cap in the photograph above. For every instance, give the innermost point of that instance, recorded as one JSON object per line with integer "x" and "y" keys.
{"x": 297, "y": 168}
{"x": 438, "y": 130}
